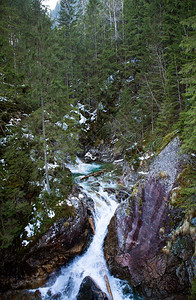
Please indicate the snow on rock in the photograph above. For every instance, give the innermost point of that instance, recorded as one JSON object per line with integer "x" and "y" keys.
{"x": 118, "y": 161}
{"x": 25, "y": 243}
{"x": 143, "y": 173}
{"x": 146, "y": 156}
{"x": 89, "y": 155}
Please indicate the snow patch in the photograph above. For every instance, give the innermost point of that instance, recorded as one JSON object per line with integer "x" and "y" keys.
{"x": 4, "y": 99}
{"x": 25, "y": 243}
{"x": 69, "y": 117}
{"x": 30, "y": 230}
{"x": 118, "y": 161}
{"x": 143, "y": 173}
{"x": 89, "y": 155}
{"x": 60, "y": 203}
{"x": 63, "y": 125}
{"x": 3, "y": 141}
{"x": 82, "y": 119}
{"x": 52, "y": 166}
{"x": 51, "y": 214}
{"x": 131, "y": 78}
{"x": 81, "y": 106}
{"x": 68, "y": 203}
{"x": 145, "y": 156}
{"x": 94, "y": 115}
{"x": 14, "y": 121}
{"x": 28, "y": 136}
{"x": 2, "y": 161}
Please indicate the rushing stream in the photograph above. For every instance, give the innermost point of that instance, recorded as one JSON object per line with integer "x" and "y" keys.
{"x": 92, "y": 262}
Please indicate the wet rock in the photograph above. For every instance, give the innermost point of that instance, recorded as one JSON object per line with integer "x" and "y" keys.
{"x": 78, "y": 196}
{"x": 89, "y": 290}
{"x": 139, "y": 246}
{"x": 110, "y": 191}
{"x": 193, "y": 222}
{"x": 24, "y": 295}
{"x": 66, "y": 238}
{"x": 122, "y": 195}
{"x": 103, "y": 153}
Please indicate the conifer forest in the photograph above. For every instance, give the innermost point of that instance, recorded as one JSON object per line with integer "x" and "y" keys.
{"x": 105, "y": 74}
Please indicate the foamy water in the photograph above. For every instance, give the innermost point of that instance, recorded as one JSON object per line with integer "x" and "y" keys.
{"x": 92, "y": 262}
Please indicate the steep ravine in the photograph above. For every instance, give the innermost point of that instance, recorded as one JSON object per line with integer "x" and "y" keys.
{"x": 68, "y": 255}
{"x": 150, "y": 243}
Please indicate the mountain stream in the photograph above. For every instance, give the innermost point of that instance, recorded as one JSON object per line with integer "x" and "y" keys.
{"x": 92, "y": 262}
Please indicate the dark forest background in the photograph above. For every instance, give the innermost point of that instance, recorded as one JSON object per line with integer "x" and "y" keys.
{"x": 110, "y": 70}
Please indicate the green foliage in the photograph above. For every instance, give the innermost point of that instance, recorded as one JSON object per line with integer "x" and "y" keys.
{"x": 187, "y": 188}
{"x": 193, "y": 290}
{"x": 188, "y": 119}
{"x": 167, "y": 139}
{"x": 133, "y": 62}
{"x": 30, "y": 72}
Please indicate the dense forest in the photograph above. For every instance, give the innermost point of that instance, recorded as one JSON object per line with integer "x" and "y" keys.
{"x": 110, "y": 70}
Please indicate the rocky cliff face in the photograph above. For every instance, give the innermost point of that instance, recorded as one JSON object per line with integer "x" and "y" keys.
{"x": 65, "y": 239}
{"x": 143, "y": 245}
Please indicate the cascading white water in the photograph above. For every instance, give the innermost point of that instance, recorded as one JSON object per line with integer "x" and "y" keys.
{"x": 92, "y": 262}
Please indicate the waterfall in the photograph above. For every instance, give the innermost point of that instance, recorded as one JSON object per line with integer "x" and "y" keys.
{"x": 92, "y": 262}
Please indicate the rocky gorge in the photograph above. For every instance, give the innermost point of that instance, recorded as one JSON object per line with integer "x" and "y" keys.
{"x": 150, "y": 242}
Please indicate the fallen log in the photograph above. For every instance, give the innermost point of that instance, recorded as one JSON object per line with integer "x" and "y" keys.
{"x": 93, "y": 174}
{"x": 108, "y": 286}
{"x": 107, "y": 282}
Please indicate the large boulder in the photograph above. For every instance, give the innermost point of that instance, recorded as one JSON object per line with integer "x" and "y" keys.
{"x": 142, "y": 246}
{"x": 89, "y": 290}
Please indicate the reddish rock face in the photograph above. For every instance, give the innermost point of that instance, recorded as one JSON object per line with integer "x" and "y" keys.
{"x": 133, "y": 247}
{"x": 148, "y": 213}
{"x": 139, "y": 231}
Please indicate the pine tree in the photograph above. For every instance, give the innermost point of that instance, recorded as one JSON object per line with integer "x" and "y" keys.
{"x": 188, "y": 71}
{"x": 173, "y": 104}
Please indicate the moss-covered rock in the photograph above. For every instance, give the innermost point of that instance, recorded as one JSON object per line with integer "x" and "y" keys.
{"x": 67, "y": 237}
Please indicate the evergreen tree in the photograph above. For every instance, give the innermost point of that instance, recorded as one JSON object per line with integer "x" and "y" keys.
{"x": 173, "y": 104}
{"x": 188, "y": 71}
